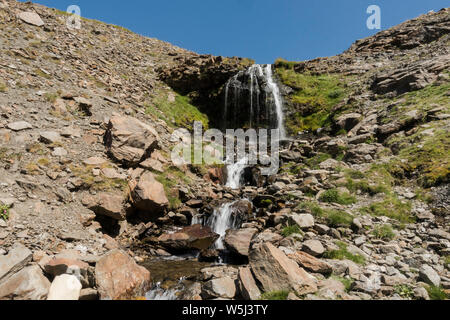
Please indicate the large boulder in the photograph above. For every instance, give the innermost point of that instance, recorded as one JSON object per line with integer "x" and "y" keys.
{"x": 107, "y": 204}
{"x": 219, "y": 288}
{"x": 65, "y": 287}
{"x": 59, "y": 266}
{"x": 27, "y": 284}
{"x": 148, "y": 195}
{"x": 31, "y": 18}
{"x": 17, "y": 258}
{"x": 118, "y": 277}
{"x": 311, "y": 263}
{"x": 130, "y": 141}
{"x": 193, "y": 237}
{"x": 247, "y": 284}
{"x": 275, "y": 271}
{"x": 238, "y": 241}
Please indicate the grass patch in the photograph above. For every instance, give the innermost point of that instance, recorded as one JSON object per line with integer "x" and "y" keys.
{"x": 333, "y": 218}
{"x": 404, "y": 291}
{"x": 275, "y": 295}
{"x": 334, "y": 196}
{"x": 377, "y": 179}
{"x": 391, "y": 207}
{"x": 98, "y": 183}
{"x": 384, "y": 232}
{"x": 315, "y": 161}
{"x": 290, "y": 230}
{"x": 180, "y": 113}
{"x": 170, "y": 179}
{"x": 437, "y": 293}
{"x": 348, "y": 283}
{"x": 314, "y": 97}
{"x": 343, "y": 254}
{"x": 4, "y": 212}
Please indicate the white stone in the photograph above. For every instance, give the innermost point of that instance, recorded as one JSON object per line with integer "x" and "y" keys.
{"x": 65, "y": 287}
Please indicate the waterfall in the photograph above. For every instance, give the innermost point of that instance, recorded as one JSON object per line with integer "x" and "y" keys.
{"x": 222, "y": 220}
{"x": 234, "y": 173}
{"x": 158, "y": 293}
{"x": 277, "y": 99}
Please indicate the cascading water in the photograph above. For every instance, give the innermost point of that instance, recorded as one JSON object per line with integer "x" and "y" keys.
{"x": 221, "y": 221}
{"x": 277, "y": 100}
{"x": 234, "y": 172}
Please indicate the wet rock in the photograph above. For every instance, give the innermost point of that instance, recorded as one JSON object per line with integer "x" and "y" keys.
{"x": 65, "y": 287}
{"x": 27, "y": 284}
{"x": 247, "y": 284}
{"x": 238, "y": 241}
{"x": 130, "y": 141}
{"x": 192, "y": 237}
{"x": 118, "y": 277}
{"x": 275, "y": 271}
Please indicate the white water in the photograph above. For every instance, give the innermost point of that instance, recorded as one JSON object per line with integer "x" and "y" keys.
{"x": 234, "y": 172}
{"x": 221, "y": 221}
{"x": 277, "y": 98}
{"x": 159, "y": 293}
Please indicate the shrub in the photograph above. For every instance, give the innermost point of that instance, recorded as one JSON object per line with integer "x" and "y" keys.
{"x": 4, "y": 212}
{"x": 343, "y": 254}
{"x": 333, "y": 218}
{"x": 384, "y": 232}
{"x": 290, "y": 230}
{"x": 404, "y": 291}
{"x": 436, "y": 293}
{"x": 333, "y": 196}
{"x": 392, "y": 208}
{"x": 275, "y": 295}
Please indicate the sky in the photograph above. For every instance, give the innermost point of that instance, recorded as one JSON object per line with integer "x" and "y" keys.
{"x": 263, "y": 30}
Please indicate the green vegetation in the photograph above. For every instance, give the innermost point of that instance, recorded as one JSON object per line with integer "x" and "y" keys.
{"x": 290, "y": 230}
{"x": 404, "y": 291}
{"x": 4, "y": 212}
{"x": 377, "y": 179}
{"x": 275, "y": 295}
{"x": 179, "y": 113}
{"x": 314, "y": 162}
{"x": 447, "y": 260}
{"x": 89, "y": 181}
{"x": 334, "y": 196}
{"x": 344, "y": 254}
{"x": 437, "y": 293}
{"x": 391, "y": 207}
{"x": 169, "y": 179}
{"x": 3, "y": 86}
{"x": 348, "y": 283}
{"x": 314, "y": 97}
{"x": 384, "y": 232}
{"x": 333, "y": 218}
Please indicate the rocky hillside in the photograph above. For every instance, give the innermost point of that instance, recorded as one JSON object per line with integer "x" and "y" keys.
{"x": 359, "y": 209}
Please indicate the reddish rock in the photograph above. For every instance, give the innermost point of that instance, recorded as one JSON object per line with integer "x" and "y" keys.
{"x": 193, "y": 237}
{"x": 118, "y": 277}
{"x": 148, "y": 195}
{"x": 107, "y": 204}
{"x": 247, "y": 284}
{"x": 311, "y": 263}
{"x": 238, "y": 241}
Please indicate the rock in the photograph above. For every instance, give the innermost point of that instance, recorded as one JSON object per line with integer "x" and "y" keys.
{"x": 148, "y": 195}
{"x": 65, "y": 287}
{"x": 118, "y": 277}
{"x": 304, "y": 221}
{"x": 152, "y": 164}
{"x": 31, "y": 18}
{"x": 428, "y": 275}
{"x": 219, "y": 272}
{"x": 19, "y": 126}
{"x": 311, "y": 263}
{"x": 193, "y": 237}
{"x": 219, "y": 288}
{"x": 49, "y": 137}
{"x": 59, "y": 266}
{"x": 275, "y": 271}
{"x": 88, "y": 294}
{"x": 27, "y": 284}
{"x": 17, "y": 258}
{"x": 130, "y": 141}
{"x": 59, "y": 152}
{"x": 247, "y": 284}
{"x": 348, "y": 121}
{"x": 331, "y": 289}
{"x": 421, "y": 293}
{"x": 313, "y": 247}
{"x": 238, "y": 241}
{"x": 107, "y": 204}
{"x": 95, "y": 161}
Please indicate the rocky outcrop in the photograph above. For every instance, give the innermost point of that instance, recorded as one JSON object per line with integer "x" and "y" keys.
{"x": 27, "y": 284}
{"x": 118, "y": 277}
{"x": 130, "y": 141}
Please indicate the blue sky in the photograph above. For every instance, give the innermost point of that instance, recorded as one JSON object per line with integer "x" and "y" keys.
{"x": 260, "y": 29}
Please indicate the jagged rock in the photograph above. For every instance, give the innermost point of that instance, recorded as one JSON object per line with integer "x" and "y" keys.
{"x": 313, "y": 247}
{"x": 331, "y": 289}
{"x": 304, "y": 221}
{"x": 65, "y": 287}
{"x": 27, "y": 284}
{"x": 311, "y": 263}
{"x": 247, "y": 284}
{"x": 238, "y": 241}
{"x": 193, "y": 237}
{"x": 348, "y": 121}
{"x": 31, "y": 18}
{"x": 428, "y": 275}
{"x": 148, "y": 195}
{"x": 60, "y": 266}
{"x": 275, "y": 271}
{"x": 130, "y": 141}
{"x": 118, "y": 277}
{"x": 107, "y": 204}
{"x": 17, "y": 258}
{"x": 219, "y": 288}
{"x": 49, "y": 137}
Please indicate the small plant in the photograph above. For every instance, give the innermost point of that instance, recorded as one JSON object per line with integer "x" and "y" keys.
{"x": 391, "y": 207}
{"x": 348, "y": 283}
{"x": 404, "y": 291}
{"x": 333, "y": 218}
{"x": 275, "y": 295}
{"x": 4, "y": 212}
{"x": 290, "y": 230}
{"x": 3, "y": 87}
{"x": 333, "y": 196}
{"x": 384, "y": 232}
{"x": 344, "y": 254}
{"x": 436, "y": 293}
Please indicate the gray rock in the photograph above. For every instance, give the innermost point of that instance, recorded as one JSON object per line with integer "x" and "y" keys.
{"x": 304, "y": 221}
{"x": 219, "y": 288}
{"x": 49, "y": 137}
{"x": 313, "y": 247}
{"x": 17, "y": 258}
{"x": 27, "y": 284}
{"x": 31, "y": 18}
{"x": 428, "y": 275}
{"x": 19, "y": 126}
